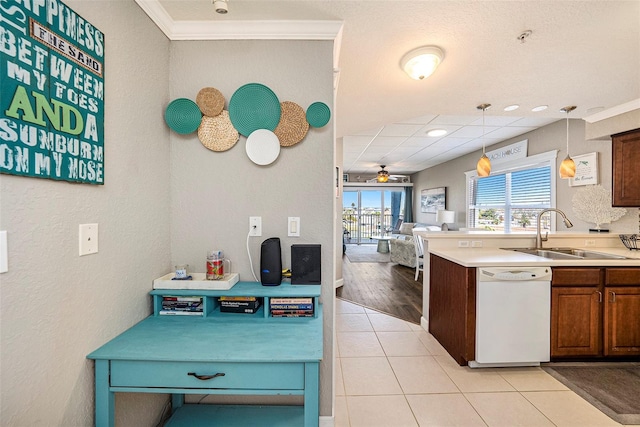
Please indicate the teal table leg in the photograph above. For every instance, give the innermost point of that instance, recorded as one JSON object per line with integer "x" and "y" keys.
{"x": 105, "y": 399}
{"x": 311, "y": 394}
{"x": 177, "y": 400}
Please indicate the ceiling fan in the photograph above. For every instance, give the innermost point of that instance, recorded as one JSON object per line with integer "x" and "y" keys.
{"x": 384, "y": 176}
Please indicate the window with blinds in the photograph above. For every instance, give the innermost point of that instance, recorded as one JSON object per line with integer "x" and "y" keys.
{"x": 509, "y": 201}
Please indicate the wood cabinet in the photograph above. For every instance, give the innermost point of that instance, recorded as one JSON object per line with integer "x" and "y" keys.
{"x": 625, "y": 153}
{"x": 576, "y": 312}
{"x": 452, "y": 307}
{"x": 622, "y": 312}
{"x": 595, "y": 312}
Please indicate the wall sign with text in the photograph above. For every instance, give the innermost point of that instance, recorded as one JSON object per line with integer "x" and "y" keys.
{"x": 586, "y": 170}
{"x": 52, "y": 93}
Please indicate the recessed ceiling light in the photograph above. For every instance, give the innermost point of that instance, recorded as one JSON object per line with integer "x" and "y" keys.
{"x": 511, "y": 107}
{"x": 437, "y": 132}
{"x": 539, "y": 108}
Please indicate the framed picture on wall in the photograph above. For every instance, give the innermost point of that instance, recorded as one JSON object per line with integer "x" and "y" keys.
{"x": 433, "y": 199}
{"x": 586, "y": 170}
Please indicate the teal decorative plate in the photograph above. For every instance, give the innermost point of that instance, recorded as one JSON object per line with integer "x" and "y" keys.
{"x": 254, "y": 106}
{"x": 183, "y": 115}
{"x": 318, "y": 114}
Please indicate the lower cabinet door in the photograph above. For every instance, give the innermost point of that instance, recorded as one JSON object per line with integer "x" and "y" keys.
{"x": 576, "y": 321}
{"x": 622, "y": 321}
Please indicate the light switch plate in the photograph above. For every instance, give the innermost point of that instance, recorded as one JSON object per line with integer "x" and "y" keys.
{"x": 88, "y": 240}
{"x": 293, "y": 227}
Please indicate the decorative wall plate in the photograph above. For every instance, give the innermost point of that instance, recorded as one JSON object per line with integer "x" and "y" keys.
{"x": 263, "y": 147}
{"x": 211, "y": 101}
{"x": 217, "y": 133}
{"x": 293, "y": 126}
{"x": 183, "y": 116}
{"x": 318, "y": 114}
{"x": 254, "y": 106}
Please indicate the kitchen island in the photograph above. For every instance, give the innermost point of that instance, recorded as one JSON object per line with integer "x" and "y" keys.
{"x": 595, "y": 303}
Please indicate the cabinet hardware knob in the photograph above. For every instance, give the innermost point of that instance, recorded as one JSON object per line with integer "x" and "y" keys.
{"x": 206, "y": 377}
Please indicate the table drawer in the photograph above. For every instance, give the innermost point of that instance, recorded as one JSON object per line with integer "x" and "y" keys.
{"x": 273, "y": 376}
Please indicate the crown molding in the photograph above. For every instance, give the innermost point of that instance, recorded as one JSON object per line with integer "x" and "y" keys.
{"x": 240, "y": 30}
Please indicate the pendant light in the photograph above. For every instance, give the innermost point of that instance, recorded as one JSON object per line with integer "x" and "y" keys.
{"x": 568, "y": 166}
{"x": 484, "y": 164}
{"x": 383, "y": 175}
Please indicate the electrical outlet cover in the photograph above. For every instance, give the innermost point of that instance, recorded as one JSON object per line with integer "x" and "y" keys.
{"x": 88, "y": 240}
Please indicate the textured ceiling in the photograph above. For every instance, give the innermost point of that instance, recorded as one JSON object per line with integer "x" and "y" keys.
{"x": 584, "y": 53}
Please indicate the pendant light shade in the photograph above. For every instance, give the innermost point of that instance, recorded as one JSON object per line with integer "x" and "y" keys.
{"x": 383, "y": 175}
{"x": 483, "y": 168}
{"x": 568, "y": 166}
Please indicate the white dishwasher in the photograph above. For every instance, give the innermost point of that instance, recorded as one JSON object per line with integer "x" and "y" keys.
{"x": 513, "y": 316}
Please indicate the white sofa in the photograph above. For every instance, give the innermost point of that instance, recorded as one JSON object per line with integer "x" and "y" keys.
{"x": 401, "y": 245}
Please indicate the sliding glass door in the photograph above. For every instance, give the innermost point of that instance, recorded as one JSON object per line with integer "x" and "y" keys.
{"x": 370, "y": 212}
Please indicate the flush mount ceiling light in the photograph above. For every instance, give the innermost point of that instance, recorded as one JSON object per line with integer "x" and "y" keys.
{"x": 568, "y": 166}
{"x": 420, "y": 63}
{"x": 437, "y": 132}
{"x": 484, "y": 164}
{"x": 511, "y": 107}
{"x": 220, "y": 6}
{"x": 383, "y": 175}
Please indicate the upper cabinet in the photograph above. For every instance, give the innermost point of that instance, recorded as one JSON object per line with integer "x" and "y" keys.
{"x": 626, "y": 173}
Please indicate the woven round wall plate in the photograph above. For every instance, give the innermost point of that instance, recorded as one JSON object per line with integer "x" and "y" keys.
{"x": 183, "y": 116}
{"x": 254, "y": 106}
{"x": 318, "y": 114}
{"x": 263, "y": 147}
{"x": 210, "y": 101}
{"x": 293, "y": 126}
{"x": 217, "y": 133}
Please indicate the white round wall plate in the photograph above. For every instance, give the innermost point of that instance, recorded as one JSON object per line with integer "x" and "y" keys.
{"x": 263, "y": 147}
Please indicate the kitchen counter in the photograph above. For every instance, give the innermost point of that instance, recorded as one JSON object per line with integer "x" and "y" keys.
{"x": 483, "y": 249}
{"x": 496, "y": 257}
{"x": 594, "y": 315}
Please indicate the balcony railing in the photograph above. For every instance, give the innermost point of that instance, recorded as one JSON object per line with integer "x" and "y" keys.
{"x": 361, "y": 228}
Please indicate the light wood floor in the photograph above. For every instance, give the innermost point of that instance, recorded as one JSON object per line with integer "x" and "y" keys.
{"x": 383, "y": 286}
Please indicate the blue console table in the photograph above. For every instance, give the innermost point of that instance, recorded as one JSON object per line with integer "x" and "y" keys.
{"x": 218, "y": 353}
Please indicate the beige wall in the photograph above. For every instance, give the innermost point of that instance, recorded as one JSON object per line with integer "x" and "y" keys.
{"x": 57, "y": 307}
{"x": 550, "y": 137}
{"x": 214, "y": 193}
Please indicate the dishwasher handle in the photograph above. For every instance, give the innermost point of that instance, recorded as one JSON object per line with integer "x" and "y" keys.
{"x": 514, "y": 274}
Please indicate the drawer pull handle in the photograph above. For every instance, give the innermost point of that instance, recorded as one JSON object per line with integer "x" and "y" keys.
{"x": 206, "y": 377}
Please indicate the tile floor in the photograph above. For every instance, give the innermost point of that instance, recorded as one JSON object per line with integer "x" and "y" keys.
{"x": 392, "y": 373}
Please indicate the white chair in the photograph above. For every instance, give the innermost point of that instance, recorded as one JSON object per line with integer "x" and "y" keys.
{"x": 419, "y": 245}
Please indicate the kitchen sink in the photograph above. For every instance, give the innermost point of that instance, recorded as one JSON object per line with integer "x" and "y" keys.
{"x": 566, "y": 253}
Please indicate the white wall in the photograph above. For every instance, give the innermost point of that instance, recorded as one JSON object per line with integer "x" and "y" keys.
{"x": 214, "y": 193}
{"x": 550, "y": 137}
{"x": 57, "y": 307}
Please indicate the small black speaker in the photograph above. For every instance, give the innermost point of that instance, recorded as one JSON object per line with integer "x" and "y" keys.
{"x": 305, "y": 264}
{"x": 271, "y": 262}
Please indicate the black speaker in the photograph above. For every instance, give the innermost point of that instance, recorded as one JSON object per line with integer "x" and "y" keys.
{"x": 271, "y": 262}
{"x": 305, "y": 264}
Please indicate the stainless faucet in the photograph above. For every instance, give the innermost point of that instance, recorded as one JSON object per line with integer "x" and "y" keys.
{"x": 539, "y": 238}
